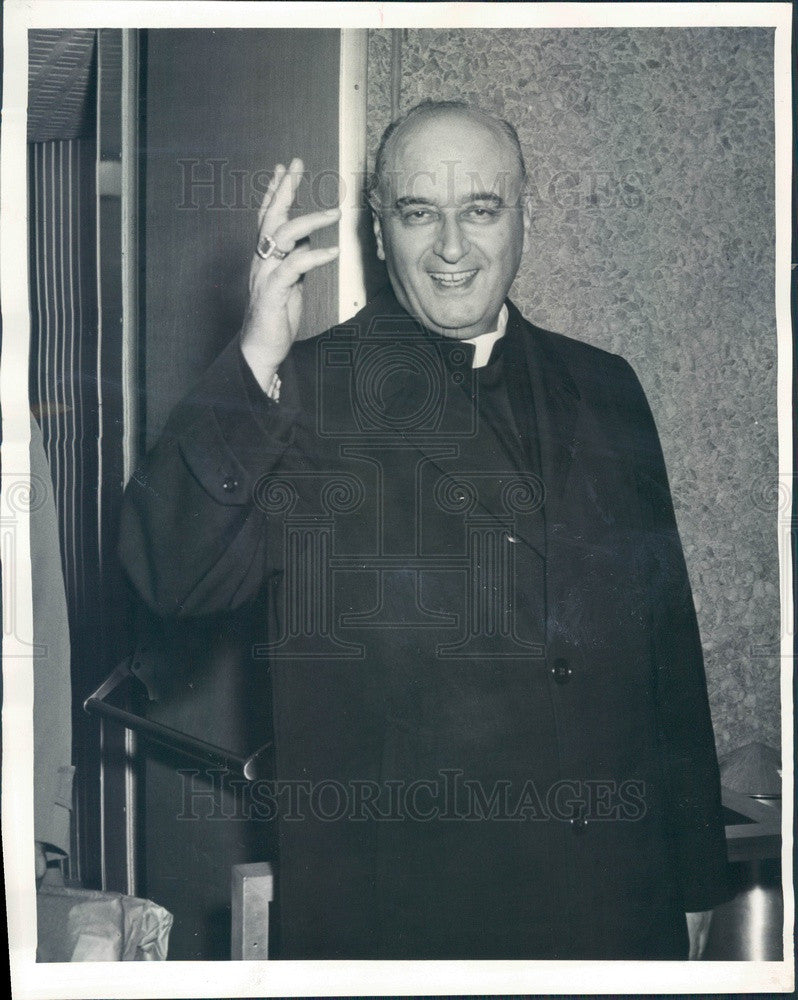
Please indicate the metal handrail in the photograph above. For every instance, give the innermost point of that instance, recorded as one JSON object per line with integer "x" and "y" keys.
{"x": 173, "y": 739}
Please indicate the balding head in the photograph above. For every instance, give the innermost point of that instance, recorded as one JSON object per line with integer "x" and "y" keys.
{"x": 431, "y": 112}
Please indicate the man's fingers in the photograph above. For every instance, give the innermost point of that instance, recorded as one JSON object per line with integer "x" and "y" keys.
{"x": 277, "y": 176}
{"x": 290, "y": 233}
{"x": 277, "y": 211}
{"x": 300, "y": 262}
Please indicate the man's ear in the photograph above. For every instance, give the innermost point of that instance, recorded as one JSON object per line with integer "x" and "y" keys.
{"x": 377, "y": 226}
{"x": 526, "y": 212}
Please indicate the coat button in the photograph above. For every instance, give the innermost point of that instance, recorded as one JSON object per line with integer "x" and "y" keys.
{"x": 578, "y": 824}
{"x": 230, "y": 484}
{"x": 561, "y": 672}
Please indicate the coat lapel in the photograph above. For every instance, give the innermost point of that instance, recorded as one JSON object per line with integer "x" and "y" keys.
{"x": 554, "y": 398}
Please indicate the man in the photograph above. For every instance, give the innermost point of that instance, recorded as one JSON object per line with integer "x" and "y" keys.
{"x": 484, "y": 658}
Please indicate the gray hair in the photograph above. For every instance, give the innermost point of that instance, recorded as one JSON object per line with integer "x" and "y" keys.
{"x": 427, "y": 107}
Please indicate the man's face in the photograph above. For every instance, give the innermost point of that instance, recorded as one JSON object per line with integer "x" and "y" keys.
{"x": 452, "y": 222}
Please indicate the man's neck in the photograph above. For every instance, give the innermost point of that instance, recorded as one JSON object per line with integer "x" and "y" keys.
{"x": 483, "y": 343}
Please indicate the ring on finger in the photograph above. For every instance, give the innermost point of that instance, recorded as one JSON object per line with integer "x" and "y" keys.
{"x": 266, "y": 248}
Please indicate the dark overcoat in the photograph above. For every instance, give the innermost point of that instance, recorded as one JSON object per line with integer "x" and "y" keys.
{"x": 491, "y": 723}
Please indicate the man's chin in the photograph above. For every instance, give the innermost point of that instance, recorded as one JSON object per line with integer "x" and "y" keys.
{"x": 460, "y": 321}
{"x": 460, "y": 325}
{"x": 460, "y": 331}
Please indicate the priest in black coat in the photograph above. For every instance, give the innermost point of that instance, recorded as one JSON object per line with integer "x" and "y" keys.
{"x": 490, "y": 710}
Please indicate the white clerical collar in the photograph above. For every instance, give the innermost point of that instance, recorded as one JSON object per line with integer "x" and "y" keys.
{"x": 483, "y": 344}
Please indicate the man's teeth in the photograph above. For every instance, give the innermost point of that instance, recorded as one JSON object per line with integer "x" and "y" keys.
{"x": 451, "y": 280}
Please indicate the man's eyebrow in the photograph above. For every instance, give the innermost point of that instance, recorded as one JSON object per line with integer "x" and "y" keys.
{"x": 411, "y": 200}
{"x": 489, "y": 196}
{"x": 484, "y": 196}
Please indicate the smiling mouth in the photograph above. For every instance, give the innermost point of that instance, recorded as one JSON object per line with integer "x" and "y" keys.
{"x": 452, "y": 279}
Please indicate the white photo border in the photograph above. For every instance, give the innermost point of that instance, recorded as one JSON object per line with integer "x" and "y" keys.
{"x": 297, "y": 978}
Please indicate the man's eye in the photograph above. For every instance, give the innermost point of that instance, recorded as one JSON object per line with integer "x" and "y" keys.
{"x": 481, "y": 214}
{"x": 417, "y": 215}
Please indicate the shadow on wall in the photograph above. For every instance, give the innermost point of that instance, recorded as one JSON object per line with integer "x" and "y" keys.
{"x": 376, "y": 277}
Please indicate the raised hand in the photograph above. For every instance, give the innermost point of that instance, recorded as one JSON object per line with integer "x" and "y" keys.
{"x": 275, "y": 293}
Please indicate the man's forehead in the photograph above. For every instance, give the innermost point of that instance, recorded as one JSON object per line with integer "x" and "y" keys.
{"x": 451, "y": 157}
{"x": 452, "y": 184}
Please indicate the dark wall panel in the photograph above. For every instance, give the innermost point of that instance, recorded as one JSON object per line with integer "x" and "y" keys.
{"x": 224, "y": 107}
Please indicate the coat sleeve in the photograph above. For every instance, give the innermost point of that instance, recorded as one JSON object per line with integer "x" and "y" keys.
{"x": 193, "y": 538}
{"x": 686, "y": 739}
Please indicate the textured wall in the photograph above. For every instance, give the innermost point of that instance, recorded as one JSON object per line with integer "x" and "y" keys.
{"x": 651, "y": 160}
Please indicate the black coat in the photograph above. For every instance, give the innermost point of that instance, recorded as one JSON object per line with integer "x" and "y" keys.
{"x": 484, "y": 657}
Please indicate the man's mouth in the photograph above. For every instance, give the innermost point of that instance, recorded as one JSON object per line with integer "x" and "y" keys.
{"x": 452, "y": 279}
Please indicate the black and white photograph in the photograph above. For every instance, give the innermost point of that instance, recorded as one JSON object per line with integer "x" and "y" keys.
{"x": 397, "y": 498}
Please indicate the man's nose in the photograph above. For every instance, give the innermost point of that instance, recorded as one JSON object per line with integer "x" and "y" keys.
{"x": 451, "y": 243}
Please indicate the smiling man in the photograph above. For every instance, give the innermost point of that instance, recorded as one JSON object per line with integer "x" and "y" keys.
{"x": 449, "y": 218}
{"x": 490, "y": 713}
